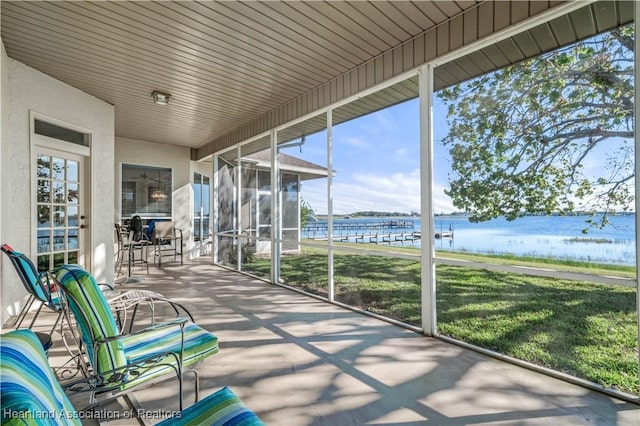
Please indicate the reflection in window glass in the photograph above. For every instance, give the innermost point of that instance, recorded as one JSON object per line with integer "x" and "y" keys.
{"x": 44, "y": 240}
{"x": 264, "y": 219}
{"x": 146, "y": 191}
{"x": 72, "y": 192}
{"x": 62, "y": 133}
{"x": 58, "y": 260}
{"x": 58, "y": 168}
{"x": 59, "y": 216}
{"x": 72, "y": 239}
{"x": 264, "y": 181}
{"x": 72, "y": 257}
{"x": 44, "y": 166}
{"x": 43, "y": 263}
{"x": 206, "y": 196}
{"x": 72, "y": 171}
{"x": 72, "y": 219}
{"x": 58, "y": 192}
{"x": 44, "y": 191}
{"x": 58, "y": 240}
{"x": 58, "y": 207}
{"x": 44, "y": 216}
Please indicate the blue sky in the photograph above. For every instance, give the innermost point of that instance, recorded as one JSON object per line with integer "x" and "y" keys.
{"x": 377, "y": 163}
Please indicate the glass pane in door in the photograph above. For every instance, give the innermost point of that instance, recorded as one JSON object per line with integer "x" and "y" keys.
{"x": 58, "y": 208}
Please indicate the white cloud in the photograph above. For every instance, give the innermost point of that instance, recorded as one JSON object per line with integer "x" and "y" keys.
{"x": 401, "y": 153}
{"x": 395, "y": 192}
{"x": 356, "y": 142}
{"x": 441, "y": 202}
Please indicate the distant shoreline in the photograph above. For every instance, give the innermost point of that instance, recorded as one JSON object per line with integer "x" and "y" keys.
{"x": 563, "y": 237}
{"x": 380, "y": 214}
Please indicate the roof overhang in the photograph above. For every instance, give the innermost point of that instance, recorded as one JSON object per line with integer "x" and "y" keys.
{"x": 237, "y": 69}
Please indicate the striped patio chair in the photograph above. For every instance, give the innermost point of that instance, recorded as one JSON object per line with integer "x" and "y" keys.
{"x": 36, "y": 284}
{"x": 30, "y": 393}
{"x": 119, "y": 363}
{"x": 121, "y": 302}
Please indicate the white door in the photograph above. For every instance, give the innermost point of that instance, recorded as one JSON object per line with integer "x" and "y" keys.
{"x": 60, "y": 209}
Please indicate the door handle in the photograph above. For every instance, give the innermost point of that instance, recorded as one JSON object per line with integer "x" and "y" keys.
{"x": 83, "y": 226}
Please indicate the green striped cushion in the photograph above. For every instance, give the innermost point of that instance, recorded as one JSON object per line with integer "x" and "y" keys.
{"x": 99, "y": 323}
{"x": 160, "y": 339}
{"x": 222, "y": 408}
{"x": 129, "y": 349}
{"x": 198, "y": 343}
{"x": 29, "y": 391}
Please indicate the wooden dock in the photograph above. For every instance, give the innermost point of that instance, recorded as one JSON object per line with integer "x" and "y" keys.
{"x": 377, "y": 238}
{"x": 351, "y": 226}
{"x": 372, "y": 232}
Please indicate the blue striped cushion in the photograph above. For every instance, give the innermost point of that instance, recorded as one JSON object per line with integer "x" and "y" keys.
{"x": 29, "y": 391}
{"x": 129, "y": 349}
{"x": 158, "y": 340}
{"x": 28, "y": 272}
{"x": 222, "y": 408}
{"x": 99, "y": 323}
{"x": 198, "y": 343}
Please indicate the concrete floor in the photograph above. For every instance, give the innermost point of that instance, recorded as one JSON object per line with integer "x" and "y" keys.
{"x": 298, "y": 361}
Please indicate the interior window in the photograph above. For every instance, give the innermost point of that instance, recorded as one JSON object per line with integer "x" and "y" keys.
{"x": 146, "y": 191}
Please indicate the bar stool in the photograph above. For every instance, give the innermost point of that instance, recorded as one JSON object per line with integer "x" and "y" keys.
{"x": 134, "y": 252}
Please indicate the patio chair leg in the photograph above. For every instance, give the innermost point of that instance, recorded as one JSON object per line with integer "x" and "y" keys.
{"x": 25, "y": 310}
{"x": 33, "y": 321}
{"x": 129, "y": 263}
{"x": 133, "y": 317}
{"x": 55, "y": 324}
{"x": 180, "y": 387}
{"x": 196, "y": 382}
{"x": 120, "y": 261}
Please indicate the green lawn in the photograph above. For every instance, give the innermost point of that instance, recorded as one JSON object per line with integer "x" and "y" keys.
{"x": 585, "y": 329}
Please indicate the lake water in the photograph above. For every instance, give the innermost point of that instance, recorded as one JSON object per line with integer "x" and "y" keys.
{"x": 541, "y": 236}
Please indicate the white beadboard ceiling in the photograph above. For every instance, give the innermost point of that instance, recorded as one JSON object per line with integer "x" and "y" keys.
{"x": 226, "y": 63}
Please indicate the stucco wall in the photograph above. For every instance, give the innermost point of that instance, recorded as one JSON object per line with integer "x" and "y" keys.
{"x": 132, "y": 151}
{"x": 3, "y": 128}
{"x": 25, "y": 90}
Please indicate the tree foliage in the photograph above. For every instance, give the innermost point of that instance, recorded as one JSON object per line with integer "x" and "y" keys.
{"x": 306, "y": 213}
{"x": 520, "y": 138}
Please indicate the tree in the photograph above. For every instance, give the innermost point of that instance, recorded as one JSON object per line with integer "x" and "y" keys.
{"x": 519, "y": 137}
{"x": 306, "y": 213}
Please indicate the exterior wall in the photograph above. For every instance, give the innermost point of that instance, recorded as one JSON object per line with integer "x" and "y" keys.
{"x": 4, "y": 103}
{"x": 132, "y": 151}
{"x": 26, "y": 90}
{"x": 204, "y": 168}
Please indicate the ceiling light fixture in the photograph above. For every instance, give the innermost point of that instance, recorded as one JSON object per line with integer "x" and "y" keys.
{"x": 160, "y": 98}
